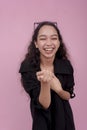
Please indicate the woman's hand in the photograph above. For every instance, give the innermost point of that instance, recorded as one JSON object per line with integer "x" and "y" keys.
{"x": 45, "y": 76}
{"x": 56, "y": 84}
{"x": 57, "y": 87}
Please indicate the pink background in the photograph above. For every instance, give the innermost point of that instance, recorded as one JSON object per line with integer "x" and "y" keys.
{"x": 16, "y": 26}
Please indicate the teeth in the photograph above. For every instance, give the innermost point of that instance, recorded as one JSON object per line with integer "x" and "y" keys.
{"x": 48, "y": 49}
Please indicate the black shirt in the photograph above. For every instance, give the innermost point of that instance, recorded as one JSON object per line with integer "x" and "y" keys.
{"x": 59, "y": 115}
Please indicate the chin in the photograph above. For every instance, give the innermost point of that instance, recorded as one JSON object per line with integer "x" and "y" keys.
{"x": 49, "y": 56}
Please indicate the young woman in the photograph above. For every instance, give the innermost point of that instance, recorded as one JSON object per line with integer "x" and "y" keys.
{"x": 47, "y": 76}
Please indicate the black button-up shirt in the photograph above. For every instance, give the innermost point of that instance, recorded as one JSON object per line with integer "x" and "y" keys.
{"x": 59, "y": 114}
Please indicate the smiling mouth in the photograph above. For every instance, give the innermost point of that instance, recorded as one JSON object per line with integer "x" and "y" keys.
{"x": 49, "y": 49}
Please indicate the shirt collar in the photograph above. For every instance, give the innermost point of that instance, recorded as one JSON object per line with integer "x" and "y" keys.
{"x": 61, "y": 66}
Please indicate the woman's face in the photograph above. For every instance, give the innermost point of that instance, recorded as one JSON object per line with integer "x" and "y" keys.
{"x": 47, "y": 41}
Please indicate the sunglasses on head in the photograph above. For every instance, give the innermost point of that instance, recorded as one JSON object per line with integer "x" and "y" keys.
{"x": 37, "y": 23}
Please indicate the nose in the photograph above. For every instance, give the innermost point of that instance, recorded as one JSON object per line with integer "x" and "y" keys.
{"x": 49, "y": 42}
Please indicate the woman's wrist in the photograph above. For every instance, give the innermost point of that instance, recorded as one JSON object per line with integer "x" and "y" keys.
{"x": 55, "y": 84}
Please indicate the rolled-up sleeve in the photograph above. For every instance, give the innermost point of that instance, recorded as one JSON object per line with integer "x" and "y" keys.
{"x": 70, "y": 85}
{"x": 70, "y": 81}
{"x": 31, "y": 85}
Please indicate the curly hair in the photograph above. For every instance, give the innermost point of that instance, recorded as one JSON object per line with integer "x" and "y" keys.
{"x": 33, "y": 54}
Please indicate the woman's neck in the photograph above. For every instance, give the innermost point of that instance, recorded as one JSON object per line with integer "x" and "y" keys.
{"x": 47, "y": 62}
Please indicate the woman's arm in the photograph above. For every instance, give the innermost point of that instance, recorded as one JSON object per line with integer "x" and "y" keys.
{"x": 56, "y": 86}
{"x": 45, "y": 95}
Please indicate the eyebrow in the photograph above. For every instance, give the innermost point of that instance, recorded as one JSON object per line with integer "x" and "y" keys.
{"x": 43, "y": 35}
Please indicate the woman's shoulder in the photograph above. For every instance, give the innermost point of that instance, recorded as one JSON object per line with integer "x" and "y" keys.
{"x": 64, "y": 66}
{"x": 26, "y": 66}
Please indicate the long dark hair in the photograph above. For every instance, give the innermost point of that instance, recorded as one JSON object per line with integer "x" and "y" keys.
{"x": 33, "y": 54}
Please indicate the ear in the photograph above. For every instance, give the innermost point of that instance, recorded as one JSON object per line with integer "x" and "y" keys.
{"x": 36, "y": 44}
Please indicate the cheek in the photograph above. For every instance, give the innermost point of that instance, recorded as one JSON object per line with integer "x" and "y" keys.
{"x": 40, "y": 47}
{"x": 57, "y": 45}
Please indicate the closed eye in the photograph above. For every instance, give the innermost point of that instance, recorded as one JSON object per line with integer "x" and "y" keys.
{"x": 54, "y": 38}
{"x": 42, "y": 39}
